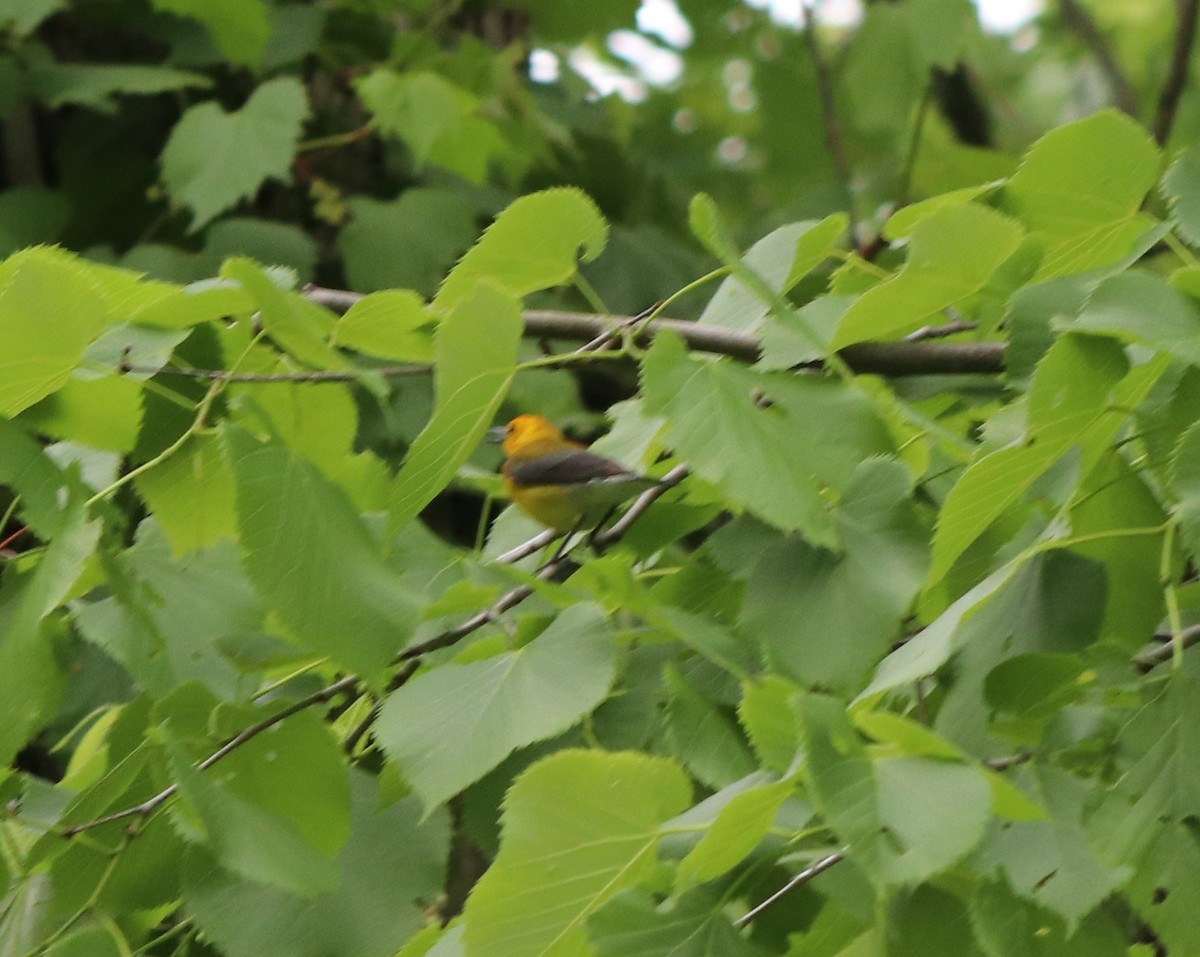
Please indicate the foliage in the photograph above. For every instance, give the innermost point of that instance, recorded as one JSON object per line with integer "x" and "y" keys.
{"x": 895, "y": 665}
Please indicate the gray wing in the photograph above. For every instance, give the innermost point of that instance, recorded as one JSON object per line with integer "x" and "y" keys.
{"x": 568, "y": 467}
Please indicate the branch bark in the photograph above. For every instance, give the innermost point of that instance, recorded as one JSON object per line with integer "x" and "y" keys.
{"x": 906, "y": 358}
{"x": 1168, "y": 100}
{"x": 1077, "y": 19}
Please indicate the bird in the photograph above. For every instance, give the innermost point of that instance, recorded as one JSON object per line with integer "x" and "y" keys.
{"x": 559, "y": 483}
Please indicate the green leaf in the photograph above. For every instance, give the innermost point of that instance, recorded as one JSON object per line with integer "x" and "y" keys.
{"x": 239, "y": 27}
{"x": 633, "y": 924}
{"x": 191, "y": 495}
{"x": 475, "y": 353}
{"x": 410, "y": 242}
{"x": 781, "y": 259}
{"x": 389, "y": 325}
{"x": 30, "y": 678}
{"x": 739, "y": 828}
{"x": 1080, "y": 189}
{"x": 904, "y": 818}
{"x": 703, "y": 738}
{"x": 449, "y": 726}
{"x": 103, "y": 413}
{"x": 99, "y": 84}
{"x": 1138, "y": 307}
{"x": 92, "y": 942}
{"x": 391, "y": 866}
{"x": 213, "y": 159}
{"x": 1070, "y": 403}
{"x": 312, "y": 559}
{"x": 249, "y": 841}
{"x": 770, "y": 722}
{"x": 33, "y": 476}
{"x": 1049, "y": 862}
{"x": 764, "y": 460}
{"x": 579, "y": 826}
{"x": 827, "y": 618}
{"x": 33, "y": 285}
{"x": 707, "y": 226}
{"x": 160, "y": 620}
{"x": 297, "y": 325}
{"x": 939, "y": 30}
{"x": 531, "y": 245}
{"x": 1181, "y": 186}
{"x": 440, "y": 121}
{"x": 954, "y": 253}
{"x": 1185, "y": 482}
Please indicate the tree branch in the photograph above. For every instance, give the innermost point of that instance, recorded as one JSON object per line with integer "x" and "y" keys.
{"x": 1078, "y": 20}
{"x": 1148, "y": 660}
{"x": 806, "y": 875}
{"x": 833, "y": 132}
{"x": 1168, "y": 99}
{"x": 878, "y": 358}
{"x": 147, "y": 807}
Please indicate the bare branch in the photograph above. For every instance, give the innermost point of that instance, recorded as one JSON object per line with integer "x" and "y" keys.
{"x": 1148, "y": 660}
{"x": 877, "y": 358}
{"x": 833, "y": 132}
{"x": 147, "y": 807}
{"x": 806, "y": 875}
{"x": 1078, "y": 20}
{"x": 1177, "y": 75}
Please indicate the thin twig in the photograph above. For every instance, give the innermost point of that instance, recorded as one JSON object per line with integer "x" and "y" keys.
{"x": 323, "y": 375}
{"x": 806, "y": 875}
{"x": 1080, "y": 21}
{"x": 147, "y": 807}
{"x": 640, "y": 504}
{"x": 940, "y": 332}
{"x": 1177, "y": 75}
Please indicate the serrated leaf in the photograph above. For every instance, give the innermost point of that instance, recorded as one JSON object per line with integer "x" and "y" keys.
{"x": 739, "y": 827}
{"x": 826, "y": 618}
{"x": 475, "y": 353}
{"x": 764, "y": 460}
{"x": 953, "y": 254}
{"x": 99, "y": 84}
{"x": 103, "y": 413}
{"x": 1070, "y": 403}
{"x": 578, "y": 827}
{"x": 394, "y": 324}
{"x": 1136, "y": 306}
{"x": 1181, "y": 186}
{"x": 391, "y": 865}
{"x": 1080, "y": 188}
{"x": 33, "y": 364}
{"x": 297, "y": 325}
{"x": 531, "y": 245}
{"x": 448, "y": 727}
{"x": 191, "y": 495}
{"x": 781, "y": 259}
{"x": 213, "y": 158}
{"x": 703, "y": 738}
{"x": 769, "y": 720}
{"x": 633, "y": 924}
{"x": 312, "y": 559}
{"x": 904, "y": 818}
{"x": 239, "y": 27}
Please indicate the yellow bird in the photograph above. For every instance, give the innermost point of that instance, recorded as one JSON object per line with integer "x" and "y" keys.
{"x": 559, "y": 482}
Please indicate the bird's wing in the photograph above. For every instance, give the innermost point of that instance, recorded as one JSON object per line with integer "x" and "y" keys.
{"x": 565, "y": 467}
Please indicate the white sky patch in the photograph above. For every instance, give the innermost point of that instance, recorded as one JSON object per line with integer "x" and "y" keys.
{"x": 543, "y": 66}
{"x": 663, "y": 19}
{"x": 657, "y": 65}
{"x": 604, "y": 77}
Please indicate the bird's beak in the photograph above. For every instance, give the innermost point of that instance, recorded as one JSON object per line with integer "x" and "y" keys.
{"x": 495, "y": 434}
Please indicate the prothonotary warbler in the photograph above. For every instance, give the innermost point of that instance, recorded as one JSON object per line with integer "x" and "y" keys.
{"x": 559, "y": 482}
